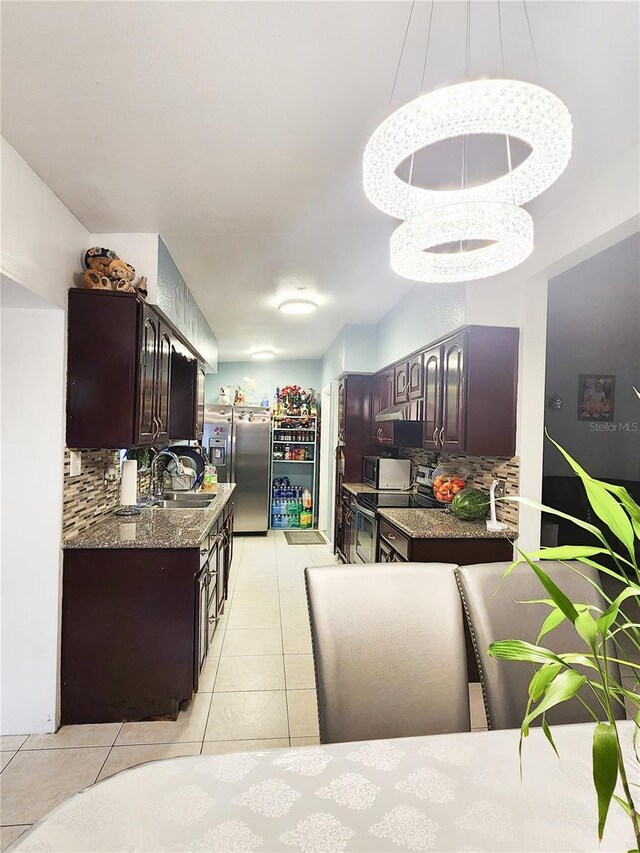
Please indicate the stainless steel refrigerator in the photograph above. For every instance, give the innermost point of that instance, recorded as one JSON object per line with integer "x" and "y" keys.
{"x": 238, "y": 442}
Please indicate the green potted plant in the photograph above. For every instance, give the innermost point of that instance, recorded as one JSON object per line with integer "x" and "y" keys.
{"x": 556, "y": 678}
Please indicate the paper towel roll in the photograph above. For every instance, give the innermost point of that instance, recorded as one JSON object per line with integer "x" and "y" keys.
{"x": 129, "y": 483}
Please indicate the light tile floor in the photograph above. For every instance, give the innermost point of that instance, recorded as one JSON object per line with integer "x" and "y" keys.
{"x": 257, "y": 691}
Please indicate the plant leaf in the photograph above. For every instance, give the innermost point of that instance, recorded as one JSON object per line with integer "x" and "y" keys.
{"x": 623, "y": 805}
{"x": 521, "y": 650}
{"x": 605, "y": 769}
{"x": 578, "y": 521}
{"x": 549, "y": 736}
{"x": 605, "y": 506}
{"x": 557, "y": 595}
{"x": 576, "y": 658}
{"x": 611, "y": 613}
{"x": 610, "y": 511}
{"x": 586, "y": 627}
{"x": 567, "y": 552}
{"x": 555, "y": 618}
{"x": 563, "y": 687}
{"x": 605, "y": 569}
{"x": 541, "y": 680}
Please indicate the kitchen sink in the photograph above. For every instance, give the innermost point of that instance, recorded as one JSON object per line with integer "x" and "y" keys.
{"x": 180, "y": 503}
{"x": 191, "y": 497}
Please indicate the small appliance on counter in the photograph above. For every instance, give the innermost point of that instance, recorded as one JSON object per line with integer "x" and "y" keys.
{"x": 383, "y": 473}
{"x": 368, "y": 503}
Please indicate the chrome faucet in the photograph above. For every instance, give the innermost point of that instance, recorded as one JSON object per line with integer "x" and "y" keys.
{"x": 154, "y": 475}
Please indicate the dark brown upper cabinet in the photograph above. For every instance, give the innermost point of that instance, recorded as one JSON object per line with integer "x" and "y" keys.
{"x": 401, "y": 383}
{"x": 383, "y": 398}
{"x": 416, "y": 377}
{"x": 154, "y": 379}
{"x": 199, "y": 402}
{"x": 186, "y": 402}
{"x": 470, "y": 387}
{"x": 120, "y": 386}
{"x": 432, "y": 396}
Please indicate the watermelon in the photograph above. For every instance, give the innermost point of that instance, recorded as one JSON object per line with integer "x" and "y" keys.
{"x": 470, "y": 504}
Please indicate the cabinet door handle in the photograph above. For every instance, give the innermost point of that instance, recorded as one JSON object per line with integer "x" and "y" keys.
{"x": 212, "y": 619}
{"x": 391, "y": 536}
{"x": 434, "y": 437}
{"x": 203, "y": 551}
{"x": 441, "y": 437}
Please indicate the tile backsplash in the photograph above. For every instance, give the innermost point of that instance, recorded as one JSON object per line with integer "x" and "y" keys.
{"x": 481, "y": 471}
{"x": 88, "y": 498}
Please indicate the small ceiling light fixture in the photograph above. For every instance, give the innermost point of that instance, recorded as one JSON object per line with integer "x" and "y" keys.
{"x": 297, "y": 306}
{"x": 263, "y": 354}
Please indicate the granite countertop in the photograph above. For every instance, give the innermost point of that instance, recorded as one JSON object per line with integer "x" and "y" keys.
{"x": 354, "y": 488}
{"x": 154, "y": 528}
{"x": 438, "y": 524}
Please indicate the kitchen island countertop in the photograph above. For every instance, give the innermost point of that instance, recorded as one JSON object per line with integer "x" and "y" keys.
{"x": 154, "y": 528}
{"x": 438, "y": 524}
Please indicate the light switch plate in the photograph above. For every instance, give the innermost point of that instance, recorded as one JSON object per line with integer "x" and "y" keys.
{"x": 75, "y": 463}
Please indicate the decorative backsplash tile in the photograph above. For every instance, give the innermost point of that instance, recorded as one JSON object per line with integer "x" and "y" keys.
{"x": 482, "y": 470}
{"x": 88, "y": 498}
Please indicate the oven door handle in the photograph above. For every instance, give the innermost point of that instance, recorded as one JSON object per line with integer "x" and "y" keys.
{"x": 366, "y": 512}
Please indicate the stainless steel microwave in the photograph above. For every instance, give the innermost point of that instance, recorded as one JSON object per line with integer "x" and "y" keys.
{"x": 383, "y": 473}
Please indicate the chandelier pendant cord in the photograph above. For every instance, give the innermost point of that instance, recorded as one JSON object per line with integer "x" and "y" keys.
{"x": 533, "y": 47}
{"x": 506, "y": 136}
{"x": 404, "y": 42}
{"x": 424, "y": 71}
{"x": 464, "y": 177}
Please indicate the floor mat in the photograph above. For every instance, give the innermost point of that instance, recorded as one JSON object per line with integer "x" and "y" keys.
{"x": 305, "y": 537}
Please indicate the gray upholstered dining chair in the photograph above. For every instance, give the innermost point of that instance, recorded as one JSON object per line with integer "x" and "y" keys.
{"x": 389, "y": 650}
{"x": 502, "y": 617}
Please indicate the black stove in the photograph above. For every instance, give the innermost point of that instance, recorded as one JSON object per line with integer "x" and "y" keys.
{"x": 396, "y": 500}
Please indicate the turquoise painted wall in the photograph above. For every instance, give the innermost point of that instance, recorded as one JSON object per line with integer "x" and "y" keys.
{"x": 427, "y": 312}
{"x": 353, "y": 348}
{"x": 269, "y": 375}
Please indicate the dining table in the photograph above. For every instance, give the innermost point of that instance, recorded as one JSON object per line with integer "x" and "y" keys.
{"x": 452, "y": 792}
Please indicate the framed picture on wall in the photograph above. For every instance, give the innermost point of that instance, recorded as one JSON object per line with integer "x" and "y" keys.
{"x": 595, "y": 397}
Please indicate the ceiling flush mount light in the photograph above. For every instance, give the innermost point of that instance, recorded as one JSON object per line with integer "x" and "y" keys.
{"x": 507, "y": 107}
{"x": 508, "y": 227}
{"x": 297, "y": 306}
{"x": 263, "y": 354}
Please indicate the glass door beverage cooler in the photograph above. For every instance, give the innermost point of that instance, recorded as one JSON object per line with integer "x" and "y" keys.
{"x": 294, "y": 471}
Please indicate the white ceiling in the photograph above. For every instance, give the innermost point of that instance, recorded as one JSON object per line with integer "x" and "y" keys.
{"x": 236, "y": 130}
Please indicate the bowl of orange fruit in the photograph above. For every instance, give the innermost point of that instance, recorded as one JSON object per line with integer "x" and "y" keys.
{"x": 447, "y": 483}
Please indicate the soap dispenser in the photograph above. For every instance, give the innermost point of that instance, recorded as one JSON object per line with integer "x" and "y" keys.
{"x": 492, "y": 522}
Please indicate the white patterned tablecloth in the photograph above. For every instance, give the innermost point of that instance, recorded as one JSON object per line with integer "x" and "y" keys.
{"x": 445, "y": 793}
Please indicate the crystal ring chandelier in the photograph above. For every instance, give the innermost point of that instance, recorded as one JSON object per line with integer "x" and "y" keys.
{"x": 507, "y": 107}
{"x": 508, "y": 227}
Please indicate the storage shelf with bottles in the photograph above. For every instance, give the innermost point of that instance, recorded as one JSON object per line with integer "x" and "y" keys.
{"x": 294, "y": 442}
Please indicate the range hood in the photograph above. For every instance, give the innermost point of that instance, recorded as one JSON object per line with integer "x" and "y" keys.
{"x": 404, "y": 431}
{"x": 394, "y": 413}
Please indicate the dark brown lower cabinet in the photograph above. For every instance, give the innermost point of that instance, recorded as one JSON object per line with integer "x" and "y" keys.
{"x": 395, "y": 546}
{"x": 345, "y": 530}
{"x": 137, "y": 624}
